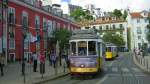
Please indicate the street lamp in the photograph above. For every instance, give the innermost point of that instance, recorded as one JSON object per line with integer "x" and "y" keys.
{"x": 24, "y": 34}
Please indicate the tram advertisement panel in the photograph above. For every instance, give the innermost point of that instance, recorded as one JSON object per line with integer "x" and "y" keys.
{"x": 83, "y": 62}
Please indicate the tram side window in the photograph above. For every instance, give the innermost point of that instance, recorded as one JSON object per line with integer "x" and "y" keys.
{"x": 73, "y": 48}
{"x": 92, "y": 47}
{"x": 82, "y": 48}
{"x": 108, "y": 49}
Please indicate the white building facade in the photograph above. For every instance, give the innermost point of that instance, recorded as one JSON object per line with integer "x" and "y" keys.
{"x": 110, "y": 24}
{"x": 137, "y": 23}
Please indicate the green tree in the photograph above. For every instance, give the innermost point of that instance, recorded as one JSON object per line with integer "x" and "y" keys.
{"x": 117, "y": 13}
{"x": 80, "y": 14}
{"x": 129, "y": 38}
{"x": 114, "y": 38}
{"x": 107, "y": 37}
{"x": 62, "y": 35}
{"x": 125, "y": 14}
{"x": 118, "y": 40}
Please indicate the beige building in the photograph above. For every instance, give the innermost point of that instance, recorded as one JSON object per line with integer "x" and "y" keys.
{"x": 109, "y": 24}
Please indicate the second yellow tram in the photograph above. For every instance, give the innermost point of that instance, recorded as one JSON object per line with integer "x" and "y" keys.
{"x": 111, "y": 51}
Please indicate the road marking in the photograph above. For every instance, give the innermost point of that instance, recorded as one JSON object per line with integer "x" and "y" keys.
{"x": 136, "y": 69}
{"x": 125, "y": 69}
{"x": 102, "y": 80}
{"x": 114, "y": 69}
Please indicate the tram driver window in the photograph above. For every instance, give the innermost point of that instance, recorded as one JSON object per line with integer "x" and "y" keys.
{"x": 108, "y": 49}
{"x": 92, "y": 47}
{"x": 73, "y": 48}
{"x": 82, "y": 48}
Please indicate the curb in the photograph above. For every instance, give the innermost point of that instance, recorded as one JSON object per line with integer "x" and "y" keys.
{"x": 51, "y": 78}
{"x": 140, "y": 66}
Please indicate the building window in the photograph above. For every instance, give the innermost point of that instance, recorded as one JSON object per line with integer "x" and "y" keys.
{"x": 49, "y": 28}
{"x": 25, "y": 19}
{"x": 138, "y": 20}
{"x": 139, "y": 31}
{"x": 107, "y": 27}
{"x": 54, "y": 25}
{"x": 11, "y": 43}
{"x": 100, "y": 27}
{"x": 139, "y": 37}
{"x": 114, "y": 27}
{"x": 37, "y": 22}
{"x": 94, "y": 27}
{"x": 85, "y": 28}
{"x": 113, "y": 18}
{"x": 146, "y": 30}
{"x": 146, "y": 20}
{"x": 121, "y": 26}
{"x": 44, "y": 24}
{"x": 103, "y": 18}
{"x": 11, "y": 15}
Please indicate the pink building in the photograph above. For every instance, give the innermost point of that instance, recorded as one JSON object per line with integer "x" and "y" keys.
{"x": 28, "y": 18}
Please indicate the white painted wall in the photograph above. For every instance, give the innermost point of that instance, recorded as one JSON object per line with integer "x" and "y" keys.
{"x": 132, "y": 23}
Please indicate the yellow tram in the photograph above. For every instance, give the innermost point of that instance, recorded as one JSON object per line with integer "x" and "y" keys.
{"x": 85, "y": 53}
{"x": 111, "y": 51}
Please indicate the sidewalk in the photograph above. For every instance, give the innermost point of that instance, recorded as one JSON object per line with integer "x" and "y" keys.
{"x": 13, "y": 75}
{"x": 142, "y": 62}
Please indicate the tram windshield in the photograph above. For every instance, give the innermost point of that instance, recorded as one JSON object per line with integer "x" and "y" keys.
{"x": 81, "y": 48}
{"x": 108, "y": 49}
{"x": 92, "y": 47}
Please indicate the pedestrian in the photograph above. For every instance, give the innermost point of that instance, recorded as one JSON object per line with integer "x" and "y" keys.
{"x": 34, "y": 62}
{"x": 42, "y": 63}
{"x": 53, "y": 57}
{"x": 50, "y": 59}
{"x": 2, "y": 60}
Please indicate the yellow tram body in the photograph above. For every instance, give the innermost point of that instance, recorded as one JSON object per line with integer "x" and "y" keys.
{"x": 85, "y": 53}
{"x": 111, "y": 51}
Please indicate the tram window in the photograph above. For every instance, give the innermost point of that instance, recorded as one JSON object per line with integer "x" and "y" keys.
{"x": 108, "y": 49}
{"x": 73, "y": 48}
{"x": 82, "y": 48}
{"x": 92, "y": 47}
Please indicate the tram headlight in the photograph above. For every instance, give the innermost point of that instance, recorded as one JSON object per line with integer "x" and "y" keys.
{"x": 82, "y": 65}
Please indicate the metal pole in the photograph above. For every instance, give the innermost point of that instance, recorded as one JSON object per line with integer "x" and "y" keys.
{"x": 6, "y": 34}
{"x": 23, "y": 63}
{"x": 2, "y": 25}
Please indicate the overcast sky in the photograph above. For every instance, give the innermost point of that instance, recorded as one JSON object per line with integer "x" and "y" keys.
{"x": 109, "y": 5}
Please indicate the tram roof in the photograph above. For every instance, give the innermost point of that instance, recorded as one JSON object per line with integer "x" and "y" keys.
{"x": 84, "y": 34}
